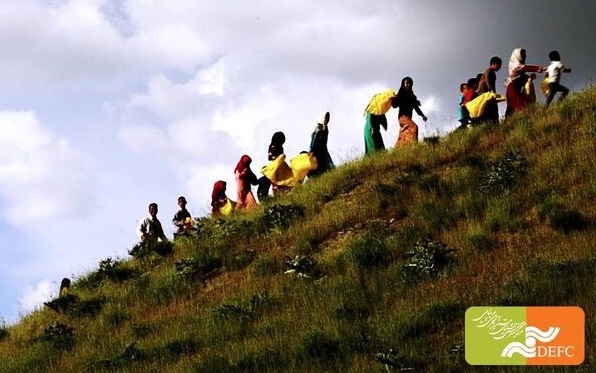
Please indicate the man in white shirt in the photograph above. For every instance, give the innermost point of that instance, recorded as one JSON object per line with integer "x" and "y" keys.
{"x": 150, "y": 229}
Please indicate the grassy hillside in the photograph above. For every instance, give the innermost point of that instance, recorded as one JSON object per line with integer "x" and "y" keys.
{"x": 388, "y": 252}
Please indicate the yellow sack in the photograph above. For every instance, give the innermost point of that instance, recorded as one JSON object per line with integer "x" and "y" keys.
{"x": 381, "y": 102}
{"x": 301, "y": 164}
{"x": 529, "y": 88}
{"x": 544, "y": 86}
{"x": 188, "y": 223}
{"x": 228, "y": 207}
{"x": 476, "y": 106}
{"x": 279, "y": 172}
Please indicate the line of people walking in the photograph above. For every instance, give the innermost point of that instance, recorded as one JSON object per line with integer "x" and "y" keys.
{"x": 478, "y": 104}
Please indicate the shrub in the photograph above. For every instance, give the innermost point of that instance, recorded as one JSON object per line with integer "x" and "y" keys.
{"x": 426, "y": 259}
{"x": 389, "y": 359}
{"x": 161, "y": 248}
{"x": 304, "y": 266}
{"x": 228, "y": 229}
{"x": 109, "y": 269}
{"x": 201, "y": 269}
{"x": 280, "y": 216}
{"x": 62, "y": 304}
{"x": 503, "y": 174}
{"x": 258, "y": 303}
{"x": 131, "y": 353}
{"x": 60, "y": 336}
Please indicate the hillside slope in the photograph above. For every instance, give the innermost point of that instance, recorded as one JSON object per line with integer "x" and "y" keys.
{"x": 387, "y": 254}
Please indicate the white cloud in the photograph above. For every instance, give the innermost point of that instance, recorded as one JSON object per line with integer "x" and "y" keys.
{"x": 42, "y": 177}
{"x": 33, "y": 296}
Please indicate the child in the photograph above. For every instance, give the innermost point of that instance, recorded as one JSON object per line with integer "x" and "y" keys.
{"x": 182, "y": 218}
{"x": 462, "y": 115}
{"x": 554, "y": 71}
{"x": 469, "y": 95}
{"x": 487, "y": 83}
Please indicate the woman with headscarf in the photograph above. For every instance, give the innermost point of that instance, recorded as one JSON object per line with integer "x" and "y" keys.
{"x": 218, "y": 198}
{"x": 275, "y": 150}
{"x": 244, "y": 179}
{"x": 517, "y": 98}
{"x": 318, "y": 146}
{"x": 407, "y": 102}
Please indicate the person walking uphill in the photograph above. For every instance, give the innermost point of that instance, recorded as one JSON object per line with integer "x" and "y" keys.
{"x": 275, "y": 150}
{"x": 554, "y": 71}
{"x": 220, "y": 203}
{"x": 318, "y": 146}
{"x": 487, "y": 84}
{"x": 244, "y": 179}
{"x": 375, "y": 119}
{"x": 517, "y": 97}
{"x": 407, "y": 102}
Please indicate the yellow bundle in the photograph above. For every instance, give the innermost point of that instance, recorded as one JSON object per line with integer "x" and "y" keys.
{"x": 228, "y": 207}
{"x": 529, "y": 88}
{"x": 301, "y": 164}
{"x": 477, "y": 106}
{"x": 381, "y": 102}
{"x": 544, "y": 86}
{"x": 279, "y": 172}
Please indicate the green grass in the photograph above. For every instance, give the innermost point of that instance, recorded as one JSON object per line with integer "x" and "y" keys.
{"x": 388, "y": 252}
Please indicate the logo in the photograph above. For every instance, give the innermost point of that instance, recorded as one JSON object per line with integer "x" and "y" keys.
{"x": 525, "y": 335}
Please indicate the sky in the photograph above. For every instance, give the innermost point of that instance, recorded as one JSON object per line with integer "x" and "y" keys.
{"x": 106, "y": 106}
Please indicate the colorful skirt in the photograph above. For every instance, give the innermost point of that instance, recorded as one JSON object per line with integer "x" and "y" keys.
{"x": 408, "y": 131}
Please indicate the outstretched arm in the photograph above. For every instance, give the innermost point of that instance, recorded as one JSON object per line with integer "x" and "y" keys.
{"x": 419, "y": 112}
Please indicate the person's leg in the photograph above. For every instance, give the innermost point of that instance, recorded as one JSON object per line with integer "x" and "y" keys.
{"x": 552, "y": 91}
{"x": 564, "y": 91}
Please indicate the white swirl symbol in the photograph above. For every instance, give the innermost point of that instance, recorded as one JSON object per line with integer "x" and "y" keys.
{"x": 529, "y": 349}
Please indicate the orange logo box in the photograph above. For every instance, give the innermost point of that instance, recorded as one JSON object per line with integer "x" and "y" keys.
{"x": 568, "y": 346}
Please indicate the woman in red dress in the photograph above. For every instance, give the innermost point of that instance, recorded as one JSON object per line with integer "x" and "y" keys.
{"x": 517, "y": 98}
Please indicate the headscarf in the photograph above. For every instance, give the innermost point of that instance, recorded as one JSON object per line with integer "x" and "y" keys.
{"x": 243, "y": 164}
{"x": 323, "y": 121}
{"x": 407, "y": 96}
{"x": 278, "y": 139}
{"x": 276, "y": 147}
{"x": 516, "y": 64}
{"x": 219, "y": 192}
